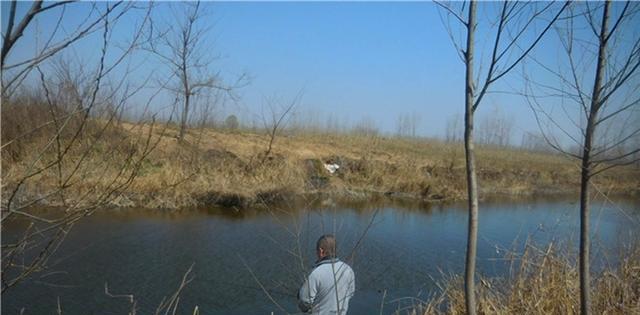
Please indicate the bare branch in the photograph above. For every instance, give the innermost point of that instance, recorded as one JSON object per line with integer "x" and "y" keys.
{"x": 11, "y": 38}
{"x": 45, "y": 54}
{"x": 618, "y": 164}
{"x": 266, "y": 292}
{"x": 615, "y": 25}
{"x": 491, "y": 78}
{"x": 450, "y": 11}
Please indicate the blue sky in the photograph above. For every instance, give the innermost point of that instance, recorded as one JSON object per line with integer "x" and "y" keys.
{"x": 354, "y": 60}
{"x": 375, "y": 60}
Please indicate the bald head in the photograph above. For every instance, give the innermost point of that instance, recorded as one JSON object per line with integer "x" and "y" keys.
{"x": 326, "y": 246}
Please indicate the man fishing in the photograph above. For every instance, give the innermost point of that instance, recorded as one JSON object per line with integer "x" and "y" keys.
{"x": 331, "y": 283}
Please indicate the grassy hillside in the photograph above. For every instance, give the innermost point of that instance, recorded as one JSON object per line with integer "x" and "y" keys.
{"x": 230, "y": 168}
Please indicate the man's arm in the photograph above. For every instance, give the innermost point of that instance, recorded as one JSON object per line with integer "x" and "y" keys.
{"x": 352, "y": 284}
{"x": 307, "y": 293}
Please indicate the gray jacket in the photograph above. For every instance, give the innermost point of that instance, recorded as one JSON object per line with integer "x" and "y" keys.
{"x": 328, "y": 288}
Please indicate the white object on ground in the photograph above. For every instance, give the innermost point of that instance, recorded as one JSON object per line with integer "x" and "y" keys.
{"x": 332, "y": 168}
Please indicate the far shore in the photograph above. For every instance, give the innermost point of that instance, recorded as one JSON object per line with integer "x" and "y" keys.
{"x": 222, "y": 168}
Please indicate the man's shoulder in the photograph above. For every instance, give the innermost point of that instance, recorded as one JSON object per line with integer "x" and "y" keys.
{"x": 332, "y": 266}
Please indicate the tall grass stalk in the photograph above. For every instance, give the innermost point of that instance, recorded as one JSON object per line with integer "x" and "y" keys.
{"x": 544, "y": 281}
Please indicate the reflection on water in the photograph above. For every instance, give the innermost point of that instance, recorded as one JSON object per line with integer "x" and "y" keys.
{"x": 400, "y": 248}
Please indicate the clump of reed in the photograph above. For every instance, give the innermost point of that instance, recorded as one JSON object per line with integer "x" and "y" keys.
{"x": 544, "y": 281}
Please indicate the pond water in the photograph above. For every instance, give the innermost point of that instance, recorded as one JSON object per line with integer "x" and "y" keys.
{"x": 396, "y": 251}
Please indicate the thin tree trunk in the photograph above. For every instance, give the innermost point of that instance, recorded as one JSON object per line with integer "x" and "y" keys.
{"x": 472, "y": 187}
{"x": 596, "y": 103}
{"x": 585, "y": 279}
{"x": 187, "y": 90}
{"x": 183, "y": 120}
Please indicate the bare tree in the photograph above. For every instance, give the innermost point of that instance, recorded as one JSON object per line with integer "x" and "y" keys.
{"x": 205, "y": 113}
{"x": 65, "y": 144}
{"x": 509, "y": 48}
{"x": 279, "y": 116}
{"x": 596, "y": 86}
{"x": 406, "y": 125}
{"x": 366, "y": 127}
{"x": 334, "y": 125}
{"x": 15, "y": 71}
{"x": 182, "y": 48}
{"x": 534, "y": 142}
{"x": 402, "y": 126}
{"x": 495, "y": 129}
{"x": 453, "y": 129}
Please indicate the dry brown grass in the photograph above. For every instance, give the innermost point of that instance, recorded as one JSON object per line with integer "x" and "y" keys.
{"x": 63, "y": 160}
{"x": 545, "y": 281}
{"x": 214, "y": 167}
